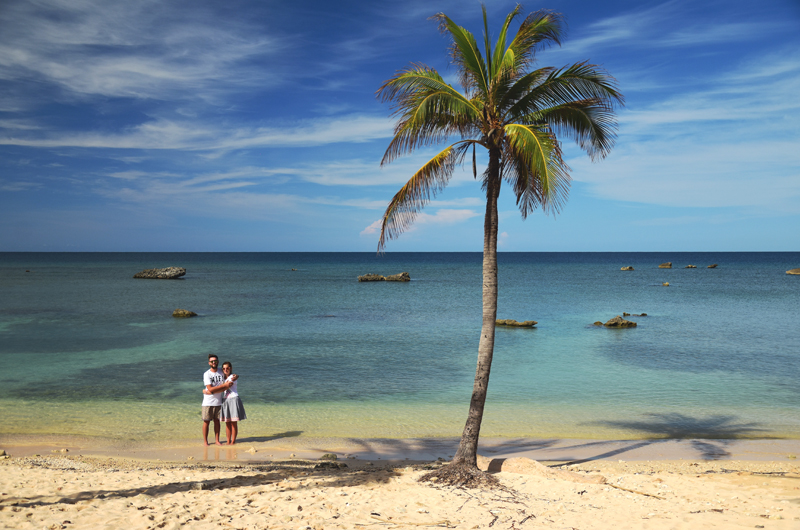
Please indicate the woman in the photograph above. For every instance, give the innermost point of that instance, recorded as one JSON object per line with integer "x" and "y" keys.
{"x": 232, "y": 409}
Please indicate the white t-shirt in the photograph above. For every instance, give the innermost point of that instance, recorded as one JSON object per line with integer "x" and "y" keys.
{"x": 213, "y": 379}
{"x": 231, "y": 392}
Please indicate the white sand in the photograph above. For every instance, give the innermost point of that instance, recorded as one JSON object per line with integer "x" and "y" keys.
{"x": 67, "y": 490}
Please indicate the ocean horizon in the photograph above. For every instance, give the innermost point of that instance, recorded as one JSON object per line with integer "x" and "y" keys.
{"x": 94, "y": 352}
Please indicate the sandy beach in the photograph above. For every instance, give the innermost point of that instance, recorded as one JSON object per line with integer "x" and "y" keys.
{"x": 284, "y": 483}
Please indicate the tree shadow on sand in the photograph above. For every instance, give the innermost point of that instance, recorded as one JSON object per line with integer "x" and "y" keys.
{"x": 278, "y": 436}
{"x": 283, "y": 472}
{"x": 709, "y": 435}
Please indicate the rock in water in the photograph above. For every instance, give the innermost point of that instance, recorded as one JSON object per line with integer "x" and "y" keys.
{"x": 714, "y": 266}
{"x": 619, "y": 322}
{"x": 183, "y": 313}
{"x": 793, "y": 271}
{"x": 665, "y": 284}
{"x": 690, "y": 267}
{"x": 371, "y": 278}
{"x": 628, "y": 268}
{"x": 514, "y": 324}
{"x": 170, "y": 273}
{"x": 400, "y": 277}
{"x": 667, "y": 265}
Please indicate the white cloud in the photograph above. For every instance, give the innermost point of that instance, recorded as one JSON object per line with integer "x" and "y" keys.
{"x": 445, "y": 216}
{"x": 198, "y": 136}
{"x": 373, "y": 228}
{"x": 147, "y": 49}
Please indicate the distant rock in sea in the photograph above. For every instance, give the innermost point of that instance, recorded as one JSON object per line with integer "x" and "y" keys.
{"x": 628, "y": 268}
{"x": 667, "y": 265}
{"x": 714, "y": 266}
{"x": 170, "y": 273}
{"x": 619, "y": 322}
{"x": 690, "y": 267}
{"x": 665, "y": 284}
{"x": 399, "y": 277}
{"x": 183, "y": 313}
{"x": 514, "y": 324}
{"x": 793, "y": 271}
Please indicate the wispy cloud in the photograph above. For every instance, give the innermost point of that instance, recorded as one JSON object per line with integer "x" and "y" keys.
{"x": 200, "y": 136}
{"x": 149, "y": 49}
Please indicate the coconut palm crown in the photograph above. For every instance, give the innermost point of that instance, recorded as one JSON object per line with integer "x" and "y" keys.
{"x": 514, "y": 111}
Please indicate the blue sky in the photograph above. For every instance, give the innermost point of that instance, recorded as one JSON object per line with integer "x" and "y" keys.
{"x": 253, "y": 126}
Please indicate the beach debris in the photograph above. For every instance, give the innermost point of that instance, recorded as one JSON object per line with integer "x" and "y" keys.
{"x": 667, "y": 265}
{"x": 252, "y": 451}
{"x": 526, "y": 466}
{"x": 399, "y": 277}
{"x": 628, "y": 268}
{"x": 509, "y": 322}
{"x": 665, "y": 284}
{"x": 793, "y": 271}
{"x": 183, "y": 313}
{"x": 619, "y": 322}
{"x": 60, "y": 451}
{"x": 329, "y": 456}
{"x": 330, "y": 465}
{"x": 169, "y": 273}
{"x": 199, "y": 486}
{"x": 189, "y": 458}
{"x": 714, "y": 266}
{"x": 690, "y": 267}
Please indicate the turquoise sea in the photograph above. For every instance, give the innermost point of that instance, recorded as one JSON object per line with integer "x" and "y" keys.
{"x": 88, "y": 350}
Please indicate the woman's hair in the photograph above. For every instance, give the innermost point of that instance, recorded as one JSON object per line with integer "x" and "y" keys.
{"x": 229, "y": 364}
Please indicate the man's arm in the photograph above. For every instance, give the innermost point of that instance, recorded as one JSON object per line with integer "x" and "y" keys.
{"x": 218, "y": 389}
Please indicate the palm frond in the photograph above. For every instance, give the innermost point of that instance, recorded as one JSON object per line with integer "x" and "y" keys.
{"x": 590, "y": 122}
{"x": 429, "y": 109}
{"x": 536, "y": 31}
{"x": 580, "y": 81}
{"x": 466, "y": 55}
{"x": 535, "y": 168}
{"x": 429, "y": 180}
{"x": 503, "y": 56}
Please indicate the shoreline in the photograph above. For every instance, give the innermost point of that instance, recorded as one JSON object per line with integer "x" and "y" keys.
{"x": 290, "y": 445}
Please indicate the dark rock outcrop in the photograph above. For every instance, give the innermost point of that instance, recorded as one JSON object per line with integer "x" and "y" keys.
{"x": 619, "y": 322}
{"x": 598, "y": 323}
{"x": 628, "y": 268}
{"x": 667, "y": 265}
{"x": 793, "y": 271}
{"x": 714, "y": 266}
{"x": 183, "y": 313}
{"x": 400, "y": 277}
{"x": 372, "y": 278}
{"x": 625, "y": 314}
{"x": 514, "y": 324}
{"x": 170, "y": 273}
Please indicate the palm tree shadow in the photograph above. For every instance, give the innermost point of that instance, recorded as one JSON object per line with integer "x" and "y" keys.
{"x": 709, "y": 436}
{"x": 278, "y": 436}
{"x": 680, "y": 426}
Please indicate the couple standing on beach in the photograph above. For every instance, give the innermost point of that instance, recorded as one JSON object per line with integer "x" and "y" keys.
{"x": 221, "y": 401}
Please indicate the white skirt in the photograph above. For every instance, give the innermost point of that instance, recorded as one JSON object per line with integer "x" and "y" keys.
{"x": 232, "y": 410}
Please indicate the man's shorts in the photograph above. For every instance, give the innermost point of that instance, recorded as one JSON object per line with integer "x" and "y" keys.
{"x": 211, "y": 413}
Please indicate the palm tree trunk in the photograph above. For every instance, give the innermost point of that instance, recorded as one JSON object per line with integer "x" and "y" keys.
{"x": 468, "y": 448}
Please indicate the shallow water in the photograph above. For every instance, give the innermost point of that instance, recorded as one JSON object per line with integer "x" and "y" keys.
{"x": 95, "y": 352}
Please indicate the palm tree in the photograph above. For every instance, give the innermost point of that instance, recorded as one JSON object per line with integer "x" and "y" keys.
{"x": 513, "y": 111}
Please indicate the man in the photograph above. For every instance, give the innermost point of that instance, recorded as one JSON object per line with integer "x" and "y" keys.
{"x": 212, "y": 403}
